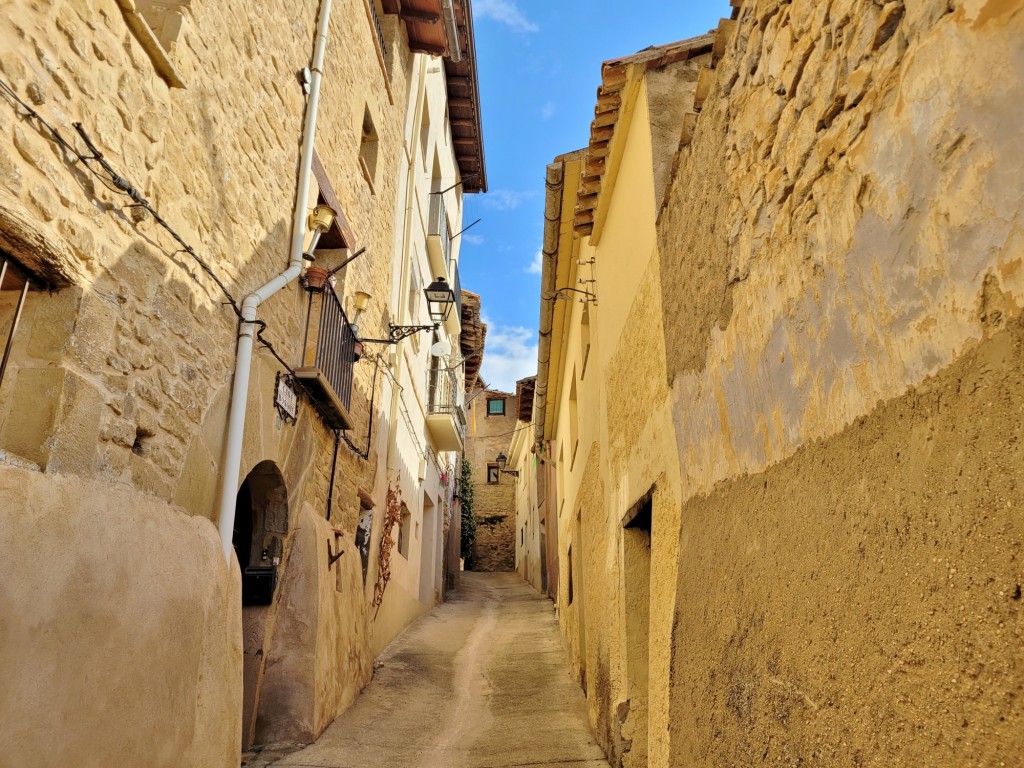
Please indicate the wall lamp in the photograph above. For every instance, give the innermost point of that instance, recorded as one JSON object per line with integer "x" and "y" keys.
{"x": 320, "y": 220}
{"x": 440, "y": 300}
{"x": 502, "y": 462}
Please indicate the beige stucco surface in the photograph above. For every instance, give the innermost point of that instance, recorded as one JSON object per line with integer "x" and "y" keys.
{"x": 814, "y": 366}
{"x": 861, "y": 235}
{"x": 866, "y": 602}
{"x": 136, "y": 623}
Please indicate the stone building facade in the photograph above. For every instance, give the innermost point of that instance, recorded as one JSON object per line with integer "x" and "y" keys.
{"x": 136, "y": 232}
{"x": 492, "y": 423}
{"x": 782, "y": 430}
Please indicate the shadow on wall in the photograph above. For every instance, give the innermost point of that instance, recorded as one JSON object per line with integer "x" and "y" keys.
{"x": 135, "y": 375}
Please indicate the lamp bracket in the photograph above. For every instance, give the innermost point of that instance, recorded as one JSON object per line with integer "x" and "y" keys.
{"x": 398, "y": 332}
{"x": 561, "y": 293}
{"x": 513, "y": 472}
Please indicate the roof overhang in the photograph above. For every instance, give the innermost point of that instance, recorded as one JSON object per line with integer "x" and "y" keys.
{"x": 615, "y": 96}
{"x": 445, "y": 28}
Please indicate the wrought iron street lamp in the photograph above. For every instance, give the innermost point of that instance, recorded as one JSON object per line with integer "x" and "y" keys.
{"x": 440, "y": 300}
{"x": 502, "y": 462}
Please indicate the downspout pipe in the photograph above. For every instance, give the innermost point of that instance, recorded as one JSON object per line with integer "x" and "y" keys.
{"x": 552, "y": 224}
{"x": 248, "y": 326}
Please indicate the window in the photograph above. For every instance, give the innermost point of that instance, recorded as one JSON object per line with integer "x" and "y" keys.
{"x": 403, "y": 532}
{"x": 368, "y": 151}
{"x": 496, "y": 407}
{"x": 157, "y": 25}
{"x": 14, "y": 287}
{"x": 584, "y": 340}
{"x": 492, "y": 474}
{"x": 569, "y": 572}
{"x": 574, "y": 422}
{"x": 425, "y": 133}
{"x": 415, "y": 295}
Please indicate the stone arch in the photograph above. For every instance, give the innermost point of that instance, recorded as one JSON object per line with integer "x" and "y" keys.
{"x": 261, "y": 516}
{"x": 259, "y": 538}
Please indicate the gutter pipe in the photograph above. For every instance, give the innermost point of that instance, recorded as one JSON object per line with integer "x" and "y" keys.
{"x": 249, "y": 326}
{"x": 451, "y": 30}
{"x": 552, "y": 225}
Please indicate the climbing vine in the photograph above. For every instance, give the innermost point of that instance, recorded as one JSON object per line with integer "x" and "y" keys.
{"x": 392, "y": 519}
{"x": 468, "y": 519}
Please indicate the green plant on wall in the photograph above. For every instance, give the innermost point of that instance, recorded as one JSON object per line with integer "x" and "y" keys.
{"x": 468, "y": 520}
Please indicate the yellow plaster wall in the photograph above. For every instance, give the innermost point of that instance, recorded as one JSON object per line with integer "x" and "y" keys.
{"x": 841, "y": 281}
{"x": 120, "y": 639}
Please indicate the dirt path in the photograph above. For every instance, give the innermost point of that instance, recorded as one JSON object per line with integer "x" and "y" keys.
{"x": 480, "y": 682}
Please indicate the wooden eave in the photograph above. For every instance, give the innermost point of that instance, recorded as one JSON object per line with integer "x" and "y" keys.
{"x": 614, "y": 79}
{"x": 524, "y": 398}
{"x": 424, "y": 23}
{"x": 472, "y": 338}
{"x": 464, "y": 103}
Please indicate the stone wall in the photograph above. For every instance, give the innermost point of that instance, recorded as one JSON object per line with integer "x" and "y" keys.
{"x": 141, "y": 339}
{"x": 121, "y": 373}
{"x": 494, "y": 504}
{"x": 841, "y": 279}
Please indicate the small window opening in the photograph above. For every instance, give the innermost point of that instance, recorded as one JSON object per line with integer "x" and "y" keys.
{"x": 14, "y": 287}
{"x": 496, "y": 407}
{"x": 492, "y": 474}
{"x": 368, "y": 145}
{"x": 574, "y": 422}
{"x": 570, "y": 569}
{"x": 585, "y": 340}
{"x": 425, "y": 133}
{"x": 157, "y": 25}
{"x": 403, "y": 532}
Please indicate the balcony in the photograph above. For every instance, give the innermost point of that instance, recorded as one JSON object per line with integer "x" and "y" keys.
{"x": 439, "y": 237}
{"x": 328, "y": 357}
{"x": 446, "y": 419}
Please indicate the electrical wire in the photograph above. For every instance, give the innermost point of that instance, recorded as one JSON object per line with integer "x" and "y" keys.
{"x": 118, "y": 184}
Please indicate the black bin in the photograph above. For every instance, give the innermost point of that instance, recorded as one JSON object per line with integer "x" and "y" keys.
{"x": 258, "y": 585}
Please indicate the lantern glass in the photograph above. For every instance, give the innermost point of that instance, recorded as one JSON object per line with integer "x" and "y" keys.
{"x": 440, "y": 299}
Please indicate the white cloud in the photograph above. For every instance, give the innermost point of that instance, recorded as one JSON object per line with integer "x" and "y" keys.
{"x": 505, "y": 199}
{"x": 474, "y": 239}
{"x": 510, "y": 354}
{"x": 504, "y": 11}
{"x": 547, "y": 111}
{"x": 537, "y": 265}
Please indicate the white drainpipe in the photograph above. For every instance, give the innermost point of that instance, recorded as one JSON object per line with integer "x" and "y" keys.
{"x": 247, "y": 327}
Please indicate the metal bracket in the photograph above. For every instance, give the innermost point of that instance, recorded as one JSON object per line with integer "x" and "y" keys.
{"x": 398, "y": 332}
{"x": 333, "y": 557}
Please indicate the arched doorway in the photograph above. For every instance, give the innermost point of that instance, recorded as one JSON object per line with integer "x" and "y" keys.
{"x": 261, "y": 525}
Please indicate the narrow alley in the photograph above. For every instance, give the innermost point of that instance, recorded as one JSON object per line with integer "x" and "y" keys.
{"x": 480, "y": 682}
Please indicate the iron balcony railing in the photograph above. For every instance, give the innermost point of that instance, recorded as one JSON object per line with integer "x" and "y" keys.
{"x": 437, "y": 226}
{"x": 328, "y": 356}
{"x": 376, "y": 26}
{"x": 442, "y": 397}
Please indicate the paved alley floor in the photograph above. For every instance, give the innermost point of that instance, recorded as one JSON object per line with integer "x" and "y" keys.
{"x": 480, "y": 682}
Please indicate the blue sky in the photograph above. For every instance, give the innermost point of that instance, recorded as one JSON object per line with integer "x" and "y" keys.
{"x": 540, "y": 65}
